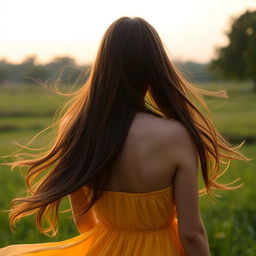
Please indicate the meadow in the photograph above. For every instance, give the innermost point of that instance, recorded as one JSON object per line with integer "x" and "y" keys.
{"x": 230, "y": 223}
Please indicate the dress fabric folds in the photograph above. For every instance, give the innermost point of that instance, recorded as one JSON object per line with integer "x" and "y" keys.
{"x": 130, "y": 224}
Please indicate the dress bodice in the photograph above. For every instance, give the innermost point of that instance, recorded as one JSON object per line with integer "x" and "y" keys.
{"x": 136, "y": 211}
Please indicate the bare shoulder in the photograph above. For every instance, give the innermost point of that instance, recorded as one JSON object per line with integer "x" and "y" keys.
{"x": 173, "y": 131}
{"x": 176, "y": 130}
{"x": 167, "y": 129}
{"x": 169, "y": 134}
{"x": 180, "y": 143}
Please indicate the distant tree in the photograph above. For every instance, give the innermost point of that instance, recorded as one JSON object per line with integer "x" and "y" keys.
{"x": 196, "y": 72}
{"x": 65, "y": 69}
{"x": 58, "y": 63}
{"x": 36, "y": 73}
{"x": 238, "y": 59}
{"x": 62, "y": 69}
{"x": 3, "y": 75}
{"x": 30, "y": 60}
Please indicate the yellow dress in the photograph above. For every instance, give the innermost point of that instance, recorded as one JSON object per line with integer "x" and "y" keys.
{"x": 130, "y": 224}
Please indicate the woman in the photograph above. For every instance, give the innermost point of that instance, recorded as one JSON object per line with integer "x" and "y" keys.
{"x": 129, "y": 144}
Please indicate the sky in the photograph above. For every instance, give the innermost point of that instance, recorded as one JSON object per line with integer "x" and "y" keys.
{"x": 190, "y": 29}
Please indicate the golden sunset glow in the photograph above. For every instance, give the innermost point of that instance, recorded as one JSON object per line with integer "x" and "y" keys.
{"x": 190, "y": 29}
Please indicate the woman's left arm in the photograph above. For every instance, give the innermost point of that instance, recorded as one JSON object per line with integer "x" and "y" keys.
{"x": 78, "y": 201}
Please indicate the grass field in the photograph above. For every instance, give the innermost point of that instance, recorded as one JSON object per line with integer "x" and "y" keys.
{"x": 230, "y": 223}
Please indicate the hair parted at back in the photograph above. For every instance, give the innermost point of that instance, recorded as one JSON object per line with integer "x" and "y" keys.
{"x": 132, "y": 72}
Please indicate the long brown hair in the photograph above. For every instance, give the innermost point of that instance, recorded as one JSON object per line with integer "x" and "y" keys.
{"x": 132, "y": 72}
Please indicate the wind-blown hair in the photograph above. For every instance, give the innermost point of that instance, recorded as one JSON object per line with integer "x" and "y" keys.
{"x": 132, "y": 72}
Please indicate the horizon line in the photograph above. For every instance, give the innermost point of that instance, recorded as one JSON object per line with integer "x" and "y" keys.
{"x": 79, "y": 63}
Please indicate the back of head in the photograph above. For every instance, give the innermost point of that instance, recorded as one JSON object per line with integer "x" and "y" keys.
{"x": 131, "y": 60}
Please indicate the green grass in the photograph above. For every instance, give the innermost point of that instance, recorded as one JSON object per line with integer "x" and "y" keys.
{"x": 25, "y": 122}
{"x": 230, "y": 223}
{"x": 236, "y": 115}
{"x": 33, "y": 99}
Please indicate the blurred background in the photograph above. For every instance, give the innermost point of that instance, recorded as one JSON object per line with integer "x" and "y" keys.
{"x": 55, "y": 42}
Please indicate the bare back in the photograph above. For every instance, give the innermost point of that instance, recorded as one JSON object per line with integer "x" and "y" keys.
{"x": 145, "y": 164}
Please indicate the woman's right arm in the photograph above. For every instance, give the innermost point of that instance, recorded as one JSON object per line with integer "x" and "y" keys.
{"x": 190, "y": 225}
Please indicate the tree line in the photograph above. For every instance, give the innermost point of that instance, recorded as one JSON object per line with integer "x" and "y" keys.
{"x": 29, "y": 71}
{"x": 235, "y": 61}
{"x": 67, "y": 70}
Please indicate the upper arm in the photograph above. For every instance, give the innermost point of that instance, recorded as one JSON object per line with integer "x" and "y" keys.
{"x": 78, "y": 200}
{"x": 186, "y": 182}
